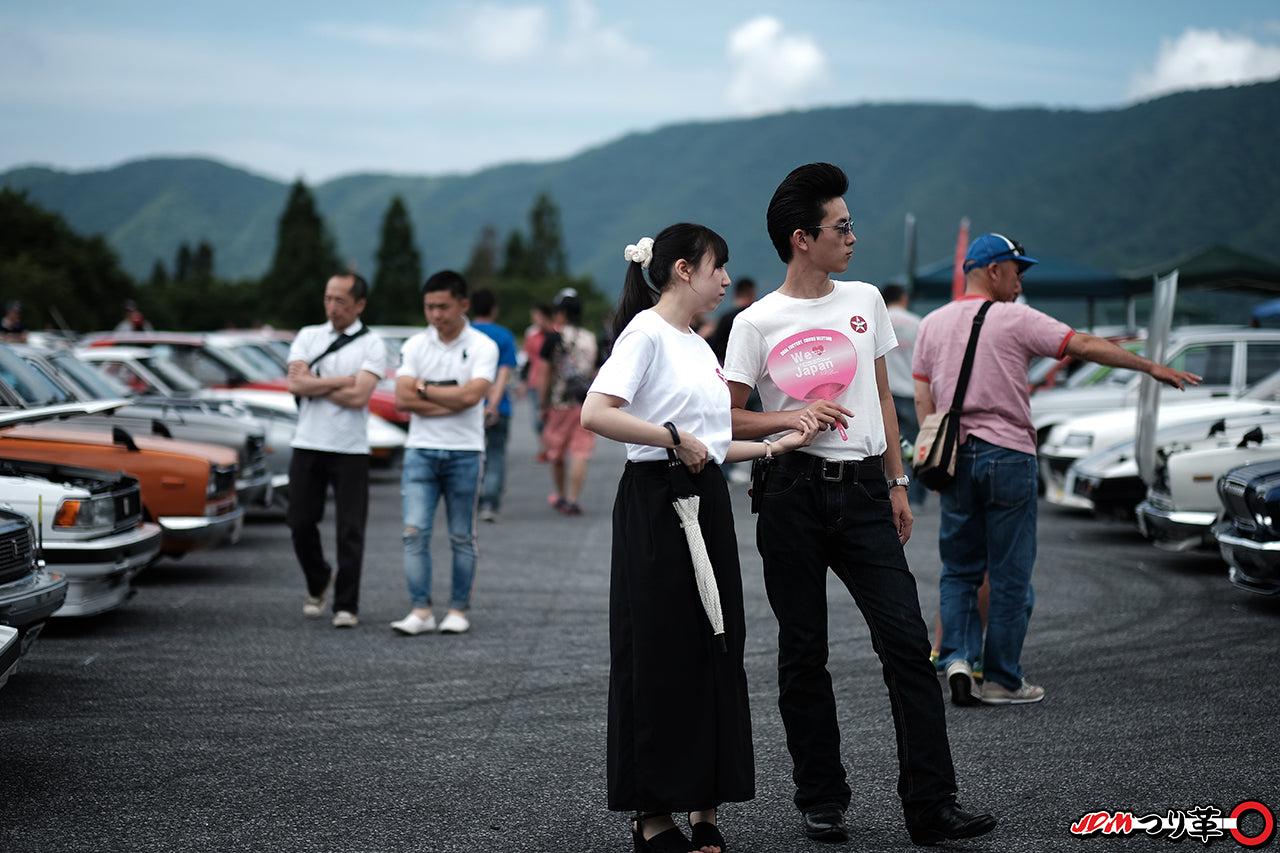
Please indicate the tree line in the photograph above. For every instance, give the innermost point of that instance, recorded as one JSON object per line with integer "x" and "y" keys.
{"x": 72, "y": 283}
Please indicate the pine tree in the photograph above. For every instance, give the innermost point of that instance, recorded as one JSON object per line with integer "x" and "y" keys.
{"x": 395, "y": 299}
{"x": 292, "y": 291}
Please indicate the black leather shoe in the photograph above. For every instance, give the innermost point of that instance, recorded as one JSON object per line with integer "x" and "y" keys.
{"x": 949, "y": 823}
{"x": 825, "y": 823}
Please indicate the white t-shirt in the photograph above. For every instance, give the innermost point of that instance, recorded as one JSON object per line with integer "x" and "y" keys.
{"x": 471, "y": 355}
{"x": 665, "y": 375}
{"x": 822, "y": 348}
{"x": 897, "y": 362}
{"x": 322, "y": 424}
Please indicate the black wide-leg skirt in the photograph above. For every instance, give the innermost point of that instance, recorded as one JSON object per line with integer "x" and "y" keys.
{"x": 679, "y": 722}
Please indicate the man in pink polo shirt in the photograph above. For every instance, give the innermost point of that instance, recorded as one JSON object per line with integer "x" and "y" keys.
{"x": 988, "y": 523}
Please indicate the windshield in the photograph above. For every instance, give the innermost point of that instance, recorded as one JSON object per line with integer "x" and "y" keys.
{"x": 33, "y": 387}
{"x": 178, "y": 380}
{"x": 95, "y": 384}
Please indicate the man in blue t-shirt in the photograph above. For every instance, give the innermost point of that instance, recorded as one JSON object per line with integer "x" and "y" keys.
{"x": 497, "y": 407}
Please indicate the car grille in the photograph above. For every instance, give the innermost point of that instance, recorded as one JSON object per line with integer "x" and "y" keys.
{"x": 128, "y": 504}
{"x": 254, "y": 462}
{"x": 17, "y": 551}
{"x": 1233, "y": 499}
{"x": 224, "y": 480}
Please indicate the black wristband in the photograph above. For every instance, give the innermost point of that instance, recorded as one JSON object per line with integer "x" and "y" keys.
{"x": 675, "y": 433}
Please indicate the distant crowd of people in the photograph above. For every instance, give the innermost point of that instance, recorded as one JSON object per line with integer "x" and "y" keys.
{"x": 818, "y": 385}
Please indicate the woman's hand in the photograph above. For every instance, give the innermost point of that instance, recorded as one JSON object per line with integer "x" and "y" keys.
{"x": 692, "y": 452}
{"x": 803, "y": 436}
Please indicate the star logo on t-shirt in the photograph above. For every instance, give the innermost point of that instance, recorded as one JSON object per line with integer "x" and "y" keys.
{"x": 858, "y": 324}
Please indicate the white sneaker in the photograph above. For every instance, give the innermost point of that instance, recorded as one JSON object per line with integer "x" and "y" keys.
{"x": 313, "y": 605}
{"x": 994, "y": 693}
{"x": 414, "y": 624}
{"x": 960, "y": 681}
{"x": 489, "y": 516}
{"x": 455, "y": 623}
{"x": 345, "y": 619}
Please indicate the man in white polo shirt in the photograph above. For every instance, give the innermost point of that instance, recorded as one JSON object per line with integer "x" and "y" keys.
{"x": 333, "y": 369}
{"x": 443, "y": 379}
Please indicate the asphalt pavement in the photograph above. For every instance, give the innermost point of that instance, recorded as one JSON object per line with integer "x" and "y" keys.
{"x": 207, "y": 714}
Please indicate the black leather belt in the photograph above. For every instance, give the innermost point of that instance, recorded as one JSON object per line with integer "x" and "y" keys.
{"x": 833, "y": 470}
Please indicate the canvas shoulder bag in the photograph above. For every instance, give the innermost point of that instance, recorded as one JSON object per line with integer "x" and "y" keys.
{"x": 934, "y": 459}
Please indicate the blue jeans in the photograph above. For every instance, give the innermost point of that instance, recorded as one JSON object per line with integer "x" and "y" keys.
{"x": 908, "y": 431}
{"x": 494, "y": 479}
{"x": 988, "y": 526}
{"x": 808, "y": 526}
{"x": 426, "y": 476}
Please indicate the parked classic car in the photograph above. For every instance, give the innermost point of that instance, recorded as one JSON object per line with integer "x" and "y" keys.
{"x": 29, "y": 594}
{"x": 1109, "y": 482}
{"x": 214, "y": 360}
{"x": 151, "y": 371}
{"x": 188, "y": 488}
{"x": 1230, "y": 360}
{"x": 10, "y": 652}
{"x": 90, "y": 528}
{"x": 1182, "y": 504}
{"x": 1080, "y": 437}
{"x": 1248, "y": 535}
{"x": 65, "y": 379}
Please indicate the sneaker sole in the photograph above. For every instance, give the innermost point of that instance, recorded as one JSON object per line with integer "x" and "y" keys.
{"x": 962, "y": 690}
{"x": 1011, "y": 700}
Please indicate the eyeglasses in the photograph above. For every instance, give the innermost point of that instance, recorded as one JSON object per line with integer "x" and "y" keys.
{"x": 845, "y": 227}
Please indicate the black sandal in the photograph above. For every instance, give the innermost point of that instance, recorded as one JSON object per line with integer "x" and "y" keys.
{"x": 706, "y": 834}
{"x": 670, "y": 841}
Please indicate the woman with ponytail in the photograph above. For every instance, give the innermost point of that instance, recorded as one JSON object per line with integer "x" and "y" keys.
{"x": 679, "y": 734}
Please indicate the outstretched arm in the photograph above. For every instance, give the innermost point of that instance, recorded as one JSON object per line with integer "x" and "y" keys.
{"x": 1092, "y": 348}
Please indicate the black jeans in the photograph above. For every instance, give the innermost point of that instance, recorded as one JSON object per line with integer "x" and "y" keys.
{"x": 311, "y": 472}
{"x": 808, "y": 524}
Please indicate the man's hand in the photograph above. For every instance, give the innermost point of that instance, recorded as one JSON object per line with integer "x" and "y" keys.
{"x": 829, "y": 415}
{"x": 902, "y": 517}
{"x": 1176, "y": 378}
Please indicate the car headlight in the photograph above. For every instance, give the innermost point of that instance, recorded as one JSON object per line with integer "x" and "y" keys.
{"x": 1078, "y": 439}
{"x": 85, "y": 514}
{"x": 211, "y": 487}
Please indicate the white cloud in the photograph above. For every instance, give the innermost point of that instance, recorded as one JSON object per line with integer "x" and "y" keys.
{"x": 504, "y": 34}
{"x": 1206, "y": 59}
{"x": 773, "y": 70}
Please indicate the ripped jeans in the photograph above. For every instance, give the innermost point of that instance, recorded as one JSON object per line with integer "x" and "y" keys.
{"x": 426, "y": 476}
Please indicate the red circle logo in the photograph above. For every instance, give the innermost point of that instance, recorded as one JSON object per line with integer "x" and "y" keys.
{"x": 1268, "y": 824}
{"x": 858, "y": 324}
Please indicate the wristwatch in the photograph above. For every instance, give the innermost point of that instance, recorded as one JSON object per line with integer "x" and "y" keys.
{"x": 903, "y": 481}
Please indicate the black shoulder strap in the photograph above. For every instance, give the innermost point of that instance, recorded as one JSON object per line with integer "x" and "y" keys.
{"x": 338, "y": 343}
{"x": 966, "y": 367}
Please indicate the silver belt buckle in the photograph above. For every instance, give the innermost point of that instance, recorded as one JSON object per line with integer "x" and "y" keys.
{"x": 838, "y": 465}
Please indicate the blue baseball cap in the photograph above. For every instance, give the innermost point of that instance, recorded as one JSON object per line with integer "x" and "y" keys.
{"x": 993, "y": 248}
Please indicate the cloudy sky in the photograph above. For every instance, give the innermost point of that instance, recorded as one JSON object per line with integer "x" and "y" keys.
{"x": 323, "y": 88}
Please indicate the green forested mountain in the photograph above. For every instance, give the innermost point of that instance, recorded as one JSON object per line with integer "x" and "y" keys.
{"x": 1116, "y": 189}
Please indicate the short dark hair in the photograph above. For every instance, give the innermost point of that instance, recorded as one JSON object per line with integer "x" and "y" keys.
{"x": 893, "y": 293}
{"x": 798, "y": 201}
{"x": 359, "y": 287}
{"x": 446, "y": 280}
{"x": 483, "y": 301}
{"x": 743, "y": 286}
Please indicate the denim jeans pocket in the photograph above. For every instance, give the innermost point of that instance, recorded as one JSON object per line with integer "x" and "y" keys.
{"x": 781, "y": 481}
{"x": 1013, "y": 480}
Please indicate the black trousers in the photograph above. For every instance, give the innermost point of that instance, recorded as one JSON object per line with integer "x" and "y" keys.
{"x": 311, "y": 473}
{"x": 810, "y": 522}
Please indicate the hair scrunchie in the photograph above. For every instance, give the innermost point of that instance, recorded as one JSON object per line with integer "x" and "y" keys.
{"x": 640, "y": 252}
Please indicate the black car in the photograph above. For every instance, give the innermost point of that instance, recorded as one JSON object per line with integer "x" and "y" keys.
{"x": 1249, "y": 534}
{"x": 28, "y": 593}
